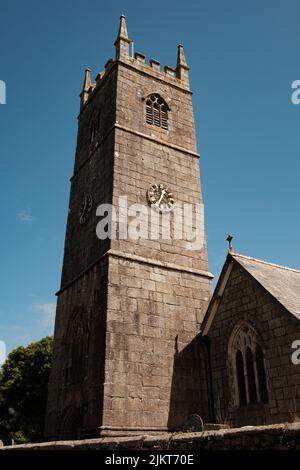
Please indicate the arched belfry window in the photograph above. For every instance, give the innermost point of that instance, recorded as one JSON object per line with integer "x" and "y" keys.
{"x": 157, "y": 111}
{"x": 94, "y": 128}
{"x": 247, "y": 366}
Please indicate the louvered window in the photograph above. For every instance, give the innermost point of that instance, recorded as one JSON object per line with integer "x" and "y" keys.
{"x": 156, "y": 111}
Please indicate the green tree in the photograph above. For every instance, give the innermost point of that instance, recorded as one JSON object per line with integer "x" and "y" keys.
{"x": 23, "y": 392}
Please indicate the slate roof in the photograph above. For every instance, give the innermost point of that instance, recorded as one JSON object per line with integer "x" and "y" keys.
{"x": 281, "y": 282}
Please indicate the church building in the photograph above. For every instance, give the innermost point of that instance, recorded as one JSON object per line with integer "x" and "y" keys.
{"x": 252, "y": 323}
{"x": 140, "y": 342}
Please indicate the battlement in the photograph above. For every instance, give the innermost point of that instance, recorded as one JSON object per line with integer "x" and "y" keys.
{"x": 178, "y": 76}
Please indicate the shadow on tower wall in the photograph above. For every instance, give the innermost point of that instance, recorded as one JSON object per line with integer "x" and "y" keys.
{"x": 191, "y": 384}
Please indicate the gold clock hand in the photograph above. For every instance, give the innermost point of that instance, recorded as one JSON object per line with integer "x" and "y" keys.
{"x": 162, "y": 195}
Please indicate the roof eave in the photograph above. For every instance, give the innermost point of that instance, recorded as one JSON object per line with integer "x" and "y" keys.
{"x": 217, "y": 295}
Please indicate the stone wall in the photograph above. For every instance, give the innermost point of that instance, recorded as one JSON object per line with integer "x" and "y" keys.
{"x": 155, "y": 376}
{"x": 278, "y": 437}
{"x": 75, "y": 391}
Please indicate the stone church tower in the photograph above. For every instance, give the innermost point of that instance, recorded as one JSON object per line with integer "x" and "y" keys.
{"x": 128, "y": 309}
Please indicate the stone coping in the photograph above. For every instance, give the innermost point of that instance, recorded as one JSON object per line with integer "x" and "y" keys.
{"x": 277, "y": 436}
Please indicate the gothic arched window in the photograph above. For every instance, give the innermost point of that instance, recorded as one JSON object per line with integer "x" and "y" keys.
{"x": 241, "y": 378}
{"x": 94, "y": 128}
{"x": 75, "y": 342}
{"x": 157, "y": 111}
{"x": 252, "y": 385}
{"x": 247, "y": 366}
{"x": 261, "y": 374}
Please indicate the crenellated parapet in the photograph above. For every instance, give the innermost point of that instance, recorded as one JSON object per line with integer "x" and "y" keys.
{"x": 178, "y": 76}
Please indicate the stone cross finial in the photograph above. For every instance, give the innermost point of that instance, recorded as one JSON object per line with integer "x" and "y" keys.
{"x": 229, "y": 240}
{"x": 122, "y": 42}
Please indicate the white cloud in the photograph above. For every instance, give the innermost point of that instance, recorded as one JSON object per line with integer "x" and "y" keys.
{"x": 47, "y": 314}
{"x": 2, "y": 352}
{"x": 36, "y": 322}
{"x": 15, "y": 335}
{"x": 25, "y": 216}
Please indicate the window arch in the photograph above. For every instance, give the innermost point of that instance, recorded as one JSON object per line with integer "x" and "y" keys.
{"x": 75, "y": 344}
{"x": 157, "y": 111}
{"x": 94, "y": 128}
{"x": 247, "y": 366}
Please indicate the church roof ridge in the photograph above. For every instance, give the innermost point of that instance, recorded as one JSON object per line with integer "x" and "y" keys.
{"x": 281, "y": 282}
{"x": 250, "y": 258}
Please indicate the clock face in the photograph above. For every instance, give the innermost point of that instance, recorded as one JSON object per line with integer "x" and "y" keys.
{"x": 159, "y": 196}
{"x": 85, "y": 208}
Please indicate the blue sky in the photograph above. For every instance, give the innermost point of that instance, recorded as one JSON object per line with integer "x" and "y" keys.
{"x": 243, "y": 58}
